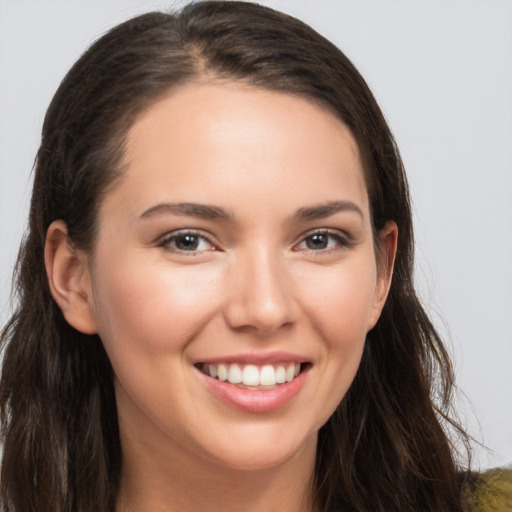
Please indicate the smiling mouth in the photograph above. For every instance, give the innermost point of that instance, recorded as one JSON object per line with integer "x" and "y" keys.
{"x": 250, "y": 376}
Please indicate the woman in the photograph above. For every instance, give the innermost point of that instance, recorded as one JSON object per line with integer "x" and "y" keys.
{"x": 216, "y": 301}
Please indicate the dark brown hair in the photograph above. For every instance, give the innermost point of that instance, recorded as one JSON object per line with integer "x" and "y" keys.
{"x": 386, "y": 446}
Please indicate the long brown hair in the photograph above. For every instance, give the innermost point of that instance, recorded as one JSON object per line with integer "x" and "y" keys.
{"x": 386, "y": 446}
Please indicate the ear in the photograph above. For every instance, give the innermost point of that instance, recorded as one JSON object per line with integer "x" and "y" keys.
{"x": 386, "y": 251}
{"x": 69, "y": 279}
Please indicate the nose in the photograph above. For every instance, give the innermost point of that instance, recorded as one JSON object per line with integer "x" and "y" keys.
{"x": 261, "y": 298}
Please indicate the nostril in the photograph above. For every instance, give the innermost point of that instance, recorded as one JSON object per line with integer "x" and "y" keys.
{"x": 262, "y": 303}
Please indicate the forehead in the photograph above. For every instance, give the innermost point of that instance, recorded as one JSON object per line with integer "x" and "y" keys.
{"x": 220, "y": 138}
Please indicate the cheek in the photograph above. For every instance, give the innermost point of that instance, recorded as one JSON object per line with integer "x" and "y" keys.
{"x": 339, "y": 304}
{"x": 340, "y": 301}
{"x": 153, "y": 306}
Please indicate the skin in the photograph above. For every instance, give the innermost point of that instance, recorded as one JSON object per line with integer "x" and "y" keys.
{"x": 256, "y": 283}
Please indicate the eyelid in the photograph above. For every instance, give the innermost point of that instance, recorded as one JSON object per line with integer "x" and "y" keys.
{"x": 345, "y": 240}
{"x": 165, "y": 240}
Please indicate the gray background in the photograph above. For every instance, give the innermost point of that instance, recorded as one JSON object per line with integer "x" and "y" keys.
{"x": 442, "y": 72}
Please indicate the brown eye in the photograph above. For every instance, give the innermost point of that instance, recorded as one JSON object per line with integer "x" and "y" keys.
{"x": 317, "y": 241}
{"x": 187, "y": 242}
{"x": 323, "y": 241}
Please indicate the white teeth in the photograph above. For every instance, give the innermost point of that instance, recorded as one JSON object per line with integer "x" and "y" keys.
{"x": 250, "y": 375}
{"x": 222, "y": 372}
{"x": 212, "y": 369}
{"x": 268, "y": 376}
{"x": 280, "y": 375}
{"x": 235, "y": 374}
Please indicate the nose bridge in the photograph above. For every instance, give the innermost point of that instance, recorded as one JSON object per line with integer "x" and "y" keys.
{"x": 262, "y": 293}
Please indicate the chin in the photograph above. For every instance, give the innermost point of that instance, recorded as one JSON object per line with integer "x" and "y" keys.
{"x": 261, "y": 451}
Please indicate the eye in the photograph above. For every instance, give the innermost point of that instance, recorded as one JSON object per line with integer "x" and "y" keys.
{"x": 187, "y": 242}
{"x": 323, "y": 241}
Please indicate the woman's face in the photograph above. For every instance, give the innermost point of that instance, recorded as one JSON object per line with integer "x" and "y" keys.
{"x": 237, "y": 246}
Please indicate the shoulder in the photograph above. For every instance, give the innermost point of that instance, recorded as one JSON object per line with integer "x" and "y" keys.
{"x": 490, "y": 491}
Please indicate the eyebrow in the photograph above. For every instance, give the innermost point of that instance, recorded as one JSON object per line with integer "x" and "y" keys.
{"x": 327, "y": 209}
{"x": 205, "y": 211}
{"x": 202, "y": 211}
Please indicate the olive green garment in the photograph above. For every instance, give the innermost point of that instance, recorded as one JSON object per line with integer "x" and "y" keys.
{"x": 491, "y": 491}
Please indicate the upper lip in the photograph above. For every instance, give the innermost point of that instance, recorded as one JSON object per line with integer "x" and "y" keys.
{"x": 256, "y": 358}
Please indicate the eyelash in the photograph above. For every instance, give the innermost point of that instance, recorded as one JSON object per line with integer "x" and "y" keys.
{"x": 169, "y": 242}
{"x": 171, "y": 238}
{"x": 340, "y": 241}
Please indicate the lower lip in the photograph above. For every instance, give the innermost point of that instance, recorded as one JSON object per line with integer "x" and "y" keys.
{"x": 252, "y": 400}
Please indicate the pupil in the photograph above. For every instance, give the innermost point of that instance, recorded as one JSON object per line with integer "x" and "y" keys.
{"x": 317, "y": 242}
{"x": 187, "y": 242}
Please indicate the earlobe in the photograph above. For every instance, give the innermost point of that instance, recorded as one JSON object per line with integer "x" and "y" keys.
{"x": 388, "y": 239}
{"x": 69, "y": 279}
